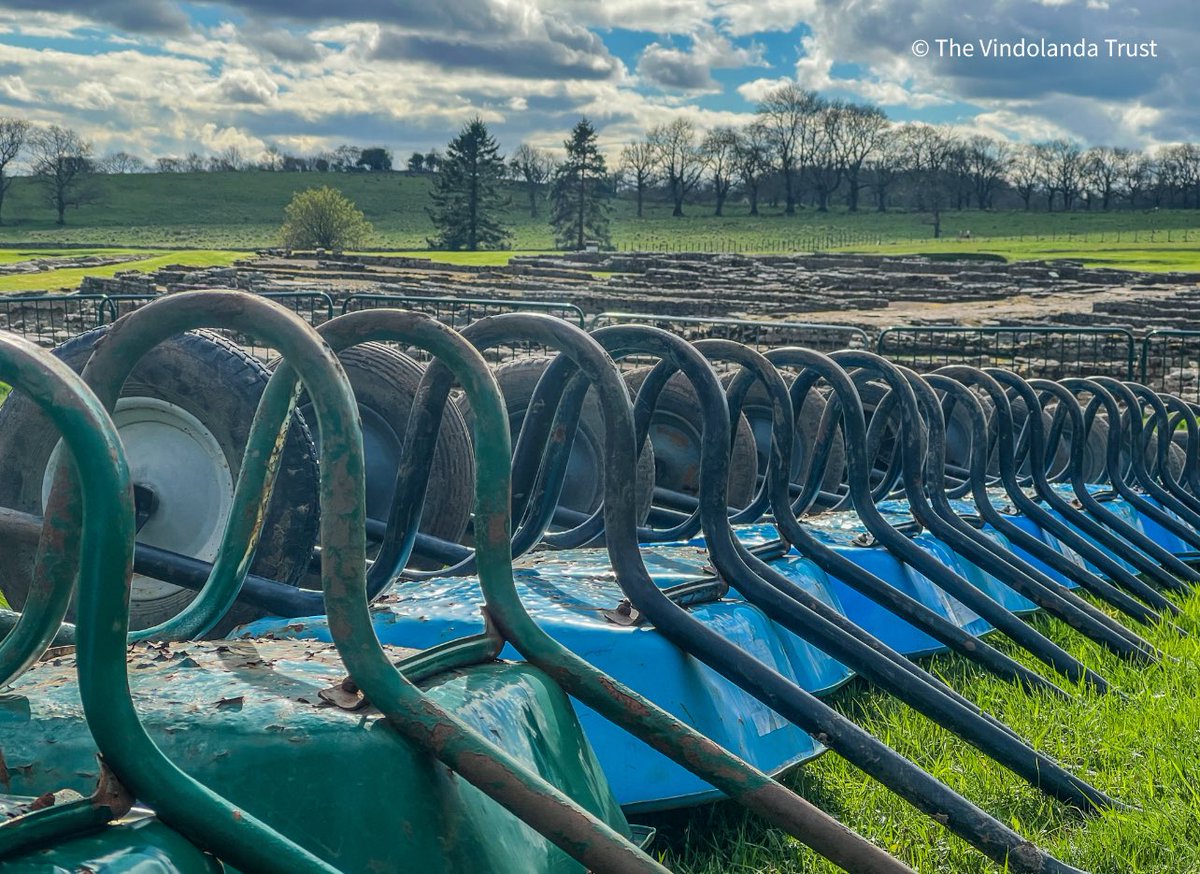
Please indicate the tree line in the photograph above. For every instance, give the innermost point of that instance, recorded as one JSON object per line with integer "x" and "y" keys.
{"x": 799, "y": 151}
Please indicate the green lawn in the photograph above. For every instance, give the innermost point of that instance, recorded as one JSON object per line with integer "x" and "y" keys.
{"x": 69, "y": 278}
{"x": 1143, "y": 749}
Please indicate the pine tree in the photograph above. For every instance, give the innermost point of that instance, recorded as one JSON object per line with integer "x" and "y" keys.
{"x": 466, "y": 197}
{"x": 580, "y": 193}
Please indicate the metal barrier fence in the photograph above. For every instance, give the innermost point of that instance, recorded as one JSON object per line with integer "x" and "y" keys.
{"x": 1044, "y": 350}
{"x": 759, "y": 335}
{"x": 50, "y": 319}
{"x": 458, "y": 312}
{"x": 1169, "y": 361}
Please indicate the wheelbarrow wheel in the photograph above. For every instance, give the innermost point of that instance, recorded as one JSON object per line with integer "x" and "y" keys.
{"x": 184, "y": 417}
{"x": 675, "y": 434}
{"x": 385, "y": 383}
{"x": 583, "y": 486}
{"x": 758, "y": 410}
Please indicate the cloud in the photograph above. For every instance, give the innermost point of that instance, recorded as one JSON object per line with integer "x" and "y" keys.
{"x": 674, "y": 69}
{"x": 136, "y": 16}
{"x": 282, "y": 44}
{"x": 247, "y": 86}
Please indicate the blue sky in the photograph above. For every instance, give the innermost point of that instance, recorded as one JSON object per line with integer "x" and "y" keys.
{"x": 160, "y": 77}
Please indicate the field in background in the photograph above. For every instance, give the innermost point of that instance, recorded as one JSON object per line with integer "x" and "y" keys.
{"x": 226, "y": 211}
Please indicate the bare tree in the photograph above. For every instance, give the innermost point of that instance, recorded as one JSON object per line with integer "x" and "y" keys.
{"x": 678, "y": 159}
{"x": 1102, "y": 170}
{"x": 121, "y": 162}
{"x": 13, "y": 133}
{"x": 718, "y": 149}
{"x": 193, "y": 162}
{"x": 1026, "y": 172}
{"x": 987, "y": 163}
{"x": 789, "y": 115}
{"x": 533, "y": 166}
{"x": 62, "y": 164}
{"x": 1064, "y": 170}
{"x": 859, "y": 133}
{"x": 752, "y": 159}
{"x": 168, "y": 164}
{"x": 928, "y": 152}
{"x": 1136, "y": 172}
{"x": 639, "y": 160}
{"x": 886, "y": 165}
{"x": 228, "y": 160}
{"x": 826, "y": 163}
{"x": 272, "y": 159}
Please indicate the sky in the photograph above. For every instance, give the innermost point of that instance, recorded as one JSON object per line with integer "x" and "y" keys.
{"x": 163, "y": 77}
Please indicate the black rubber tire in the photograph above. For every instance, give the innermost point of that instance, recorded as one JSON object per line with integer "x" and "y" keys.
{"x": 583, "y": 488}
{"x": 385, "y": 382}
{"x": 216, "y": 382}
{"x": 675, "y": 433}
{"x": 759, "y": 412}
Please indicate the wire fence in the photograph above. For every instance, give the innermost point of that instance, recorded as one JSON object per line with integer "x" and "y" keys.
{"x": 1044, "y": 351}
{"x": 823, "y": 241}
{"x": 1166, "y": 360}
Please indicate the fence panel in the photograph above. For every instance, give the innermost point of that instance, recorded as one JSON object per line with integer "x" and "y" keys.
{"x": 1043, "y": 351}
{"x": 50, "y": 319}
{"x": 458, "y": 312}
{"x": 759, "y": 335}
{"x": 1170, "y": 362}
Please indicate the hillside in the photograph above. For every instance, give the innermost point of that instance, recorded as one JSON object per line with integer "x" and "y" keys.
{"x": 244, "y": 210}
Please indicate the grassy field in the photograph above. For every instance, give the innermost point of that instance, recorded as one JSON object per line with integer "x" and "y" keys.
{"x": 1142, "y": 748}
{"x": 224, "y": 211}
{"x": 69, "y": 278}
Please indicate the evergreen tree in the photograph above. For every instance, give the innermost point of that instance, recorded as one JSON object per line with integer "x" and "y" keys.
{"x": 580, "y": 193}
{"x": 466, "y": 196}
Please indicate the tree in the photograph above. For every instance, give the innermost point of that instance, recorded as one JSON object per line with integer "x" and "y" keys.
{"x": 988, "y": 161}
{"x": 1064, "y": 168}
{"x": 433, "y": 160}
{"x": 168, "y": 164}
{"x": 678, "y": 159}
{"x": 323, "y": 218}
{"x": 640, "y": 161}
{"x": 928, "y": 152}
{"x": 466, "y": 197}
{"x": 789, "y": 115}
{"x": 122, "y": 162}
{"x": 193, "y": 162}
{"x": 13, "y": 132}
{"x": 1025, "y": 172}
{"x": 718, "y": 150}
{"x": 752, "y": 161}
{"x": 416, "y": 162}
{"x": 272, "y": 159}
{"x": 858, "y": 136}
{"x": 885, "y": 165}
{"x": 62, "y": 164}
{"x": 580, "y": 204}
{"x": 376, "y": 159}
{"x": 532, "y": 166}
{"x": 826, "y": 164}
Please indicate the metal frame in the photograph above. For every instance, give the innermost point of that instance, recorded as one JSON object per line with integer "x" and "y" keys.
{"x": 1012, "y": 355}
{"x": 755, "y": 333}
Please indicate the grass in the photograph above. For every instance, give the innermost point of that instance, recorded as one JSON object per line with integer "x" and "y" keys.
{"x": 69, "y": 278}
{"x": 229, "y": 211}
{"x": 1143, "y": 749}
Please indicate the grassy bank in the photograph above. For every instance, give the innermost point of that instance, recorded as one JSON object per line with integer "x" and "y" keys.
{"x": 1143, "y": 749}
